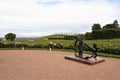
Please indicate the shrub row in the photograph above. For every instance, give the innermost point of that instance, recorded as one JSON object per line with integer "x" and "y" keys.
{"x": 107, "y": 50}
{"x": 56, "y": 38}
{"x": 69, "y": 37}
{"x": 66, "y": 37}
{"x": 111, "y": 50}
{"x": 58, "y": 46}
{"x": 12, "y": 45}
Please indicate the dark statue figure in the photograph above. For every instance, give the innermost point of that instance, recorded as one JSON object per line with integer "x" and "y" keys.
{"x": 79, "y": 47}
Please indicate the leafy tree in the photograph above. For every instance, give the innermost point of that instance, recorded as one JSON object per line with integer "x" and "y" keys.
{"x": 116, "y": 25}
{"x": 96, "y": 27}
{"x": 97, "y": 34}
{"x": 10, "y": 36}
{"x": 108, "y": 26}
{"x": 88, "y": 36}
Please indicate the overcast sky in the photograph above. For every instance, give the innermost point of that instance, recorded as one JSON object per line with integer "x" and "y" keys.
{"x": 34, "y": 18}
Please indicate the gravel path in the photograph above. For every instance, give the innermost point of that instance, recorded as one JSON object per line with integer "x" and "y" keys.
{"x": 46, "y": 65}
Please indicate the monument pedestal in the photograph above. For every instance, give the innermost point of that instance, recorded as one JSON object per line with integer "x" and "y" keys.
{"x": 90, "y": 61}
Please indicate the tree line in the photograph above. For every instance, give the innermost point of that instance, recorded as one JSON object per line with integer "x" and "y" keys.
{"x": 109, "y": 31}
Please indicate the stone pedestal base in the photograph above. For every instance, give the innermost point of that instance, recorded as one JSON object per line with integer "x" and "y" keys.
{"x": 90, "y": 61}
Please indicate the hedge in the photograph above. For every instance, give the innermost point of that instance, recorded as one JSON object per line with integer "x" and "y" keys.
{"x": 106, "y": 34}
{"x": 107, "y": 50}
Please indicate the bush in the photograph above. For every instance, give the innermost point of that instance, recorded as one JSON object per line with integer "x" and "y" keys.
{"x": 55, "y": 45}
{"x": 107, "y": 50}
{"x": 37, "y": 46}
{"x": 59, "y": 46}
{"x": 10, "y": 45}
{"x": 2, "y": 45}
{"x": 20, "y": 45}
{"x": 110, "y": 50}
{"x": 70, "y": 47}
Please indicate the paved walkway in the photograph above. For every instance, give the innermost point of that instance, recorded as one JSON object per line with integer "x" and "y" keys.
{"x": 46, "y": 65}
